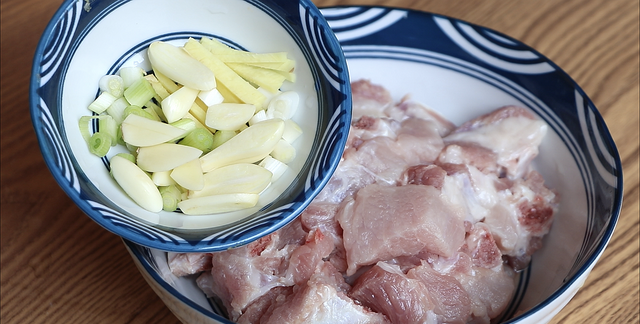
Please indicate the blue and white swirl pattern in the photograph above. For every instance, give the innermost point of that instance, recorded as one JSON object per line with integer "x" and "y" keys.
{"x": 355, "y": 22}
{"x": 61, "y": 39}
{"x": 315, "y": 34}
{"x": 118, "y": 219}
{"x": 522, "y": 61}
{"x": 57, "y": 147}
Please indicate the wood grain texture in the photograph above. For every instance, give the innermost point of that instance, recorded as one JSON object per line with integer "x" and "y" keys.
{"x": 51, "y": 274}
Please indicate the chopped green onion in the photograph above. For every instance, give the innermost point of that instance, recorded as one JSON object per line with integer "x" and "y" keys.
{"x": 127, "y": 156}
{"x": 152, "y": 114}
{"x": 130, "y": 75}
{"x": 112, "y": 84}
{"x": 221, "y": 136}
{"x": 101, "y": 103}
{"x": 107, "y": 125}
{"x": 199, "y": 138}
{"x": 156, "y": 109}
{"x": 83, "y": 125}
{"x": 136, "y": 110}
{"x": 171, "y": 196}
{"x": 119, "y": 135}
{"x": 185, "y": 123}
{"x": 116, "y": 110}
{"x": 99, "y": 144}
{"x": 139, "y": 93}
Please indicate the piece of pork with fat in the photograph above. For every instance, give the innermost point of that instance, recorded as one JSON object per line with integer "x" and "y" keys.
{"x": 322, "y": 299}
{"x": 383, "y": 222}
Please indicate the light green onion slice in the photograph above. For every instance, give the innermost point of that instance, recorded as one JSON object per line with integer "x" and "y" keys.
{"x": 137, "y": 110}
{"x": 101, "y": 103}
{"x": 139, "y": 93}
{"x": 99, "y": 144}
{"x": 116, "y": 110}
{"x": 199, "y": 138}
{"x": 112, "y": 84}
{"x": 171, "y": 196}
{"x": 220, "y": 137}
{"x": 127, "y": 156}
{"x": 107, "y": 125}
{"x": 130, "y": 75}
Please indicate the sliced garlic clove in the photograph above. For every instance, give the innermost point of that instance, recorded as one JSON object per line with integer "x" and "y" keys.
{"x": 250, "y": 145}
{"x": 189, "y": 175}
{"x": 179, "y": 66}
{"x": 218, "y": 203}
{"x": 235, "y": 178}
{"x": 164, "y": 157}
{"x": 229, "y": 116}
{"x": 136, "y": 183}
{"x": 141, "y": 132}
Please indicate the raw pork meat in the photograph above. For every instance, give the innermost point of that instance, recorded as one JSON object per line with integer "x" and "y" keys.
{"x": 422, "y": 222}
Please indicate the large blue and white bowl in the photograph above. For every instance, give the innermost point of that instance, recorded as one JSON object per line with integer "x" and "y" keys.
{"x": 88, "y": 39}
{"x": 462, "y": 71}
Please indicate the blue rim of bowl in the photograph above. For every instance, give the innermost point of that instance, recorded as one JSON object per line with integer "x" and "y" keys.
{"x": 301, "y": 19}
{"x": 384, "y": 18}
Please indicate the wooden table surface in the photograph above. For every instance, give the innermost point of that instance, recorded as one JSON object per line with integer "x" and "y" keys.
{"x": 58, "y": 266}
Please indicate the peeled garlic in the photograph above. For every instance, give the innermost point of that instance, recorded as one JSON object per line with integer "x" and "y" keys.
{"x": 136, "y": 183}
{"x": 229, "y": 116}
{"x": 141, "y": 132}
{"x": 218, "y": 203}
{"x": 166, "y": 156}
{"x": 250, "y": 145}
{"x": 189, "y": 175}
{"x": 177, "y": 104}
{"x": 235, "y": 178}
{"x": 176, "y": 64}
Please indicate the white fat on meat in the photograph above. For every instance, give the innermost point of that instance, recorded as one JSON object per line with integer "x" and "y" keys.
{"x": 384, "y": 222}
{"x": 409, "y": 109}
{"x": 511, "y": 132}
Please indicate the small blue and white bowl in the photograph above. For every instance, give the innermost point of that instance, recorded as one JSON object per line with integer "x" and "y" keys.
{"x": 88, "y": 39}
{"x": 462, "y": 71}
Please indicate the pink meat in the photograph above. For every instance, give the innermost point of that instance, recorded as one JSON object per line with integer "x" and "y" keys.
{"x": 183, "y": 264}
{"x": 306, "y": 258}
{"x": 322, "y": 216}
{"x": 384, "y": 222}
{"x": 240, "y": 276}
{"x": 429, "y": 175}
{"x": 452, "y": 303}
{"x": 490, "y": 291}
{"x": 263, "y": 306}
{"x": 321, "y": 300}
{"x": 387, "y": 290}
{"x": 411, "y": 228}
{"x": 369, "y": 99}
{"x": 482, "y": 247}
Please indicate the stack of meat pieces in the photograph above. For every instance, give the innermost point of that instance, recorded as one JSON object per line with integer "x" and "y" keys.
{"x": 423, "y": 222}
